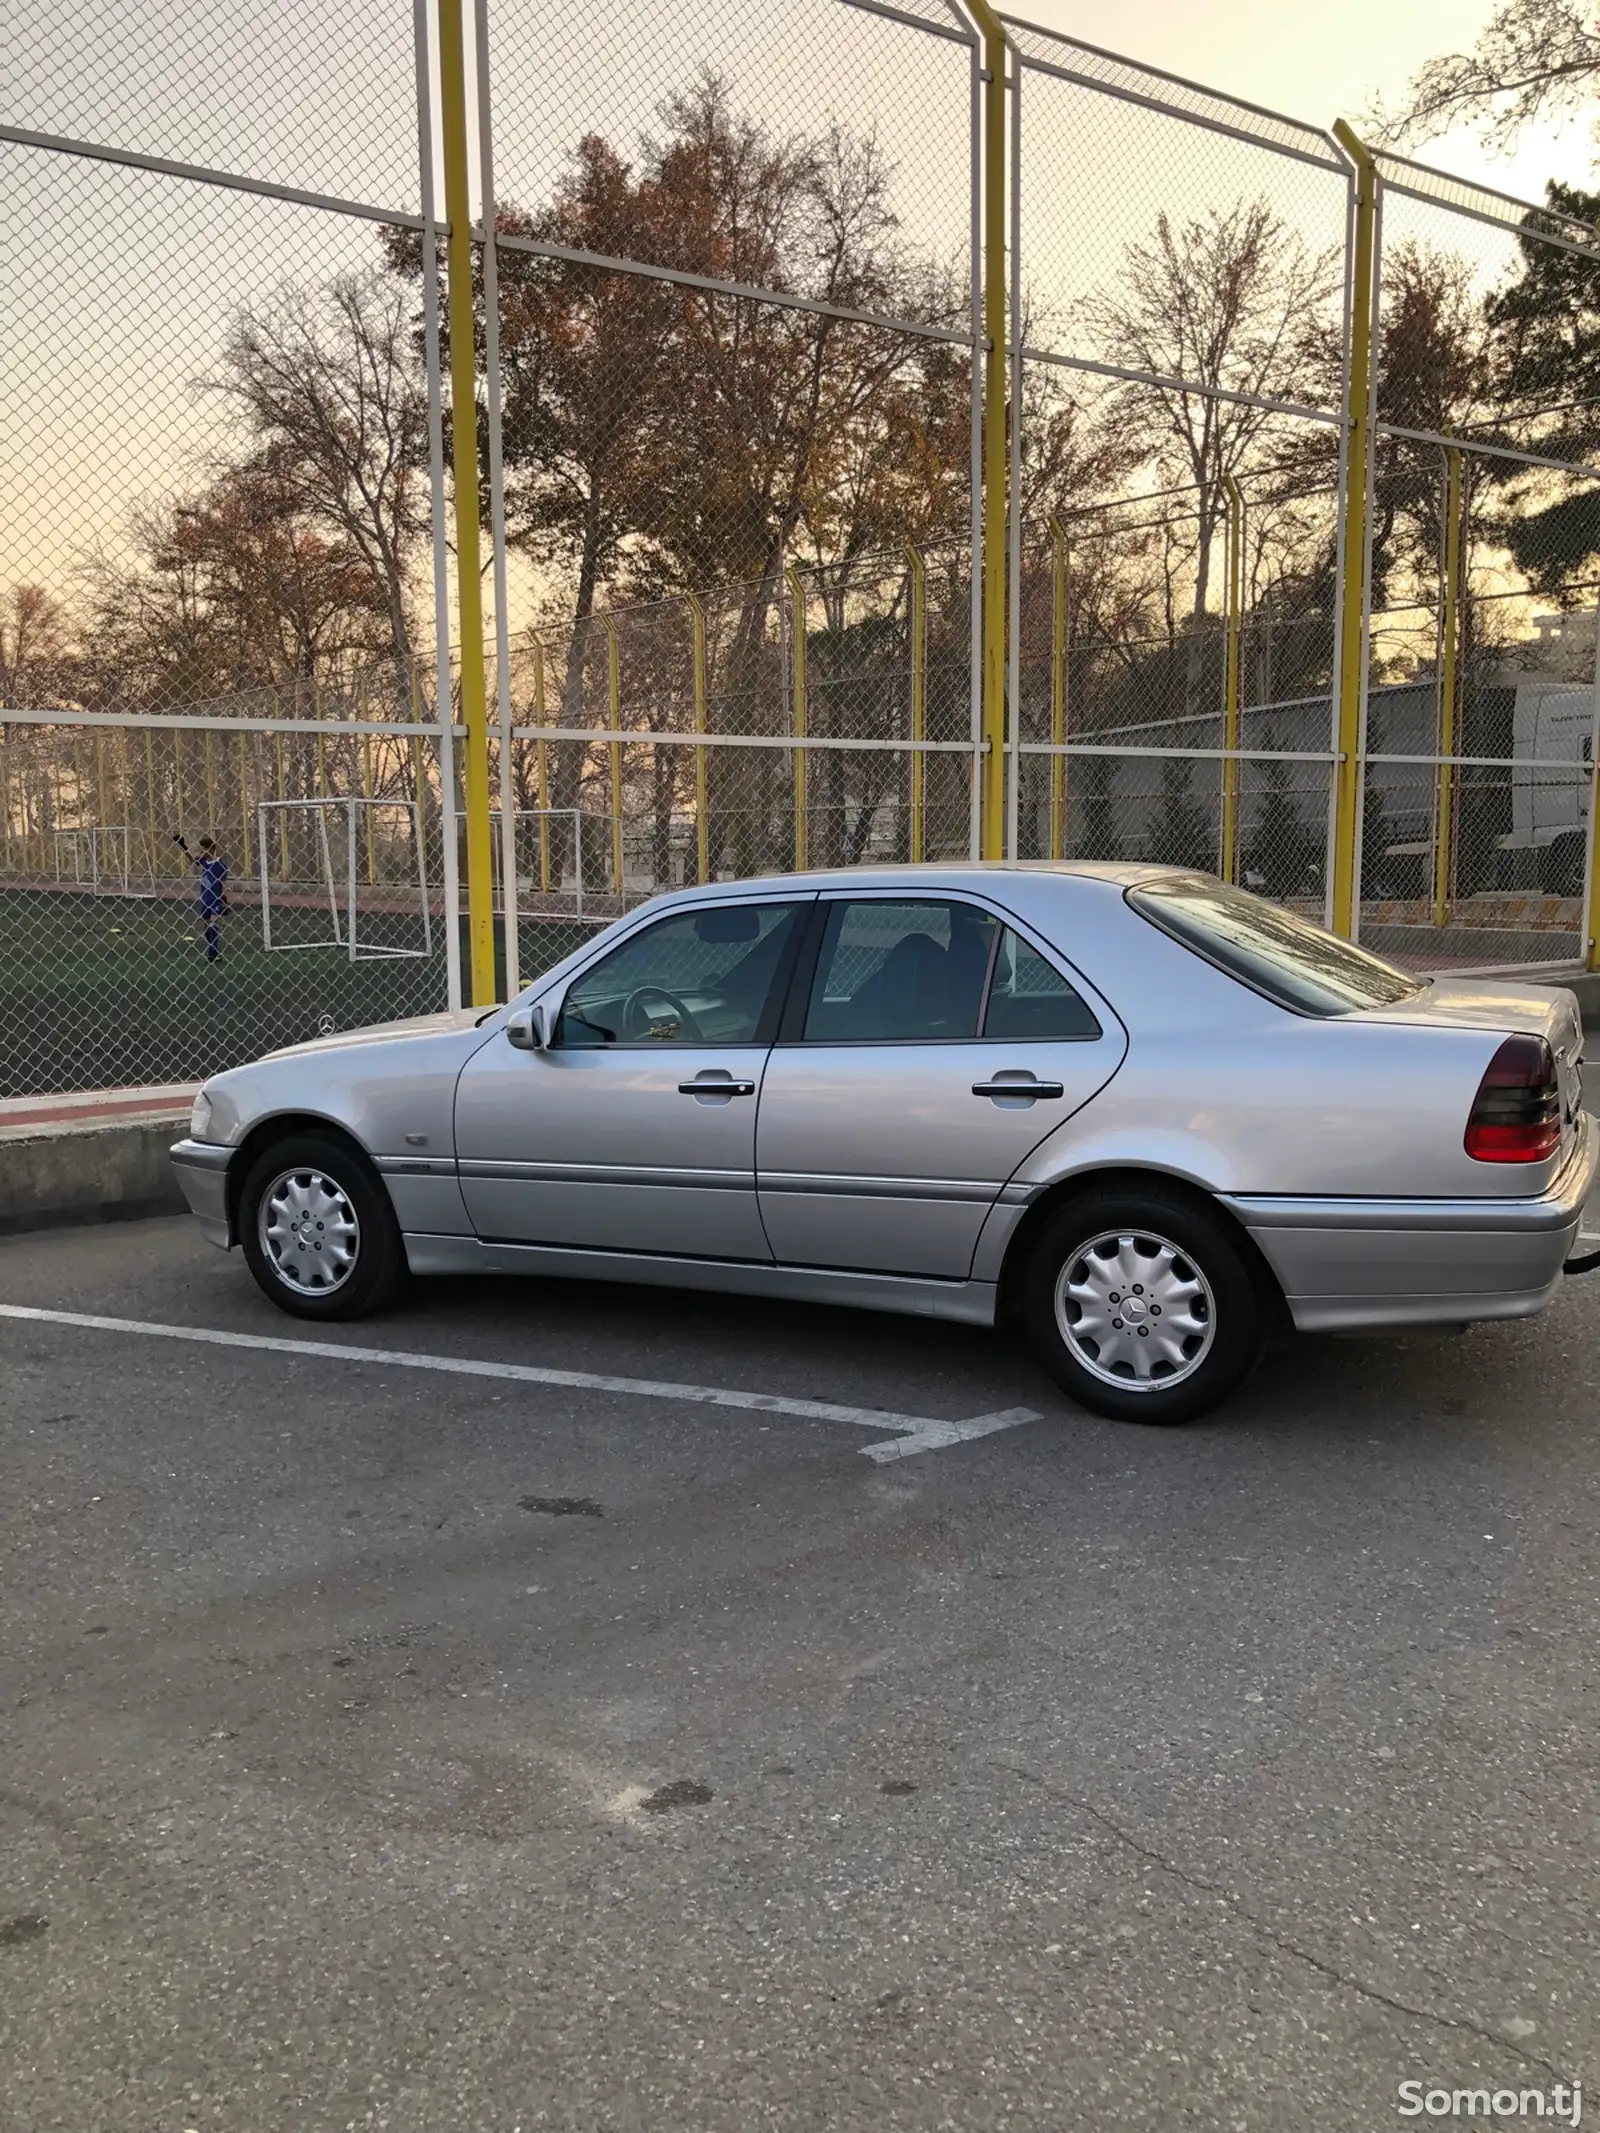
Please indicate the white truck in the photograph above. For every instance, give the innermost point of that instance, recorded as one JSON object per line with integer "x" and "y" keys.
{"x": 1552, "y": 726}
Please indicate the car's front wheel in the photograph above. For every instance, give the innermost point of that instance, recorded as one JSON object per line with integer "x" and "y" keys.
{"x": 1142, "y": 1306}
{"x": 318, "y": 1230}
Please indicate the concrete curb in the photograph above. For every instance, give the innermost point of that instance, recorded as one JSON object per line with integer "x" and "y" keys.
{"x": 56, "y": 1175}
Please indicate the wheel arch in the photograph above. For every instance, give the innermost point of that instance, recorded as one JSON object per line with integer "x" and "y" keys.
{"x": 280, "y": 1126}
{"x": 1131, "y": 1177}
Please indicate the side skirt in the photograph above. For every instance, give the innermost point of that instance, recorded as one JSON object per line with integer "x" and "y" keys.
{"x": 967, "y": 1302}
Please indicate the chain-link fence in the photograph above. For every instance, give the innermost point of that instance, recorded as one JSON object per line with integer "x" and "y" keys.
{"x": 222, "y": 777}
{"x": 1179, "y": 354}
{"x": 314, "y": 901}
{"x": 857, "y": 399}
{"x": 1479, "y": 746}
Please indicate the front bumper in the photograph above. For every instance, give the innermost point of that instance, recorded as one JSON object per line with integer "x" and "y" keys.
{"x": 1350, "y": 1263}
{"x": 202, "y": 1172}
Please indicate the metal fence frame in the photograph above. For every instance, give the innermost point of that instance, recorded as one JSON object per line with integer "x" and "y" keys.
{"x": 455, "y": 78}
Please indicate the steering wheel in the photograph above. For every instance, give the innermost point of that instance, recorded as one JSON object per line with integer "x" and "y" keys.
{"x": 636, "y": 1017}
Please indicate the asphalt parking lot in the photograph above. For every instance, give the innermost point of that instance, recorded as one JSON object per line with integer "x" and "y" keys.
{"x": 453, "y": 1753}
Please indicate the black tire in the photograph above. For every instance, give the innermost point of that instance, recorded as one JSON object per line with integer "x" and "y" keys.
{"x": 1227, "y": 1303}
{"x": 377, "y": 1272}
{"x": 1561, "y": 867}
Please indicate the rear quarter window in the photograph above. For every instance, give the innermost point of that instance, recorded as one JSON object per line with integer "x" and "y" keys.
{"x": 1274, "y": 951}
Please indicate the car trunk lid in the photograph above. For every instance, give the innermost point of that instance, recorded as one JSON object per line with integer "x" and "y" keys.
{"x": 1502, "y": 1006}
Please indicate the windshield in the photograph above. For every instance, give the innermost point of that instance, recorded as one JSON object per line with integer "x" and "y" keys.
{"x": 1274, "y": 950}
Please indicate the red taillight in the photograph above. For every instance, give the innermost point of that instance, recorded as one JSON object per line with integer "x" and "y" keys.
{"x": 1516, "y": 1114}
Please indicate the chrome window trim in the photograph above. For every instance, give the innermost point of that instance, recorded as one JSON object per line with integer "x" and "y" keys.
{"x": 511, "y": 1172}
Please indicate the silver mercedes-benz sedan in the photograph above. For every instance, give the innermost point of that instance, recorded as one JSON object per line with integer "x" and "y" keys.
{"x": 1142, "y": 1113}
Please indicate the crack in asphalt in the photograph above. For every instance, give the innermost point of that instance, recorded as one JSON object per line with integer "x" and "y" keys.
{"x": 1268, "y": 1933}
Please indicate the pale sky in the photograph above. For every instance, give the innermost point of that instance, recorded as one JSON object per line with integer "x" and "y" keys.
{"x": 121, "y": 283}
{"x": 1319, "y": 63}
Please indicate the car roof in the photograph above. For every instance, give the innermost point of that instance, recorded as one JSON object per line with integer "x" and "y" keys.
{"x": 929, "y": 874}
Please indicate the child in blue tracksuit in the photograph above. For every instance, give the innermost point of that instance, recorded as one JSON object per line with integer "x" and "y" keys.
{"x": 213, "y": 871}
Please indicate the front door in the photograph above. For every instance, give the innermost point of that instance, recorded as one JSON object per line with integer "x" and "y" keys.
{"x": 935, "y": 1049}
{"x": 634, "y": 1130}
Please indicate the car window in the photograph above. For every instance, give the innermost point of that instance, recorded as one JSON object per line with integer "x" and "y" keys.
{"x": 704, "y": 976}
{"x": 1274, "y": 950}
{"x": 890, "y": 971}
{"x": 1029, "y": 998}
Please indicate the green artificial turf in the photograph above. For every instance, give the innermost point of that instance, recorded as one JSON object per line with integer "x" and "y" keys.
{"x": 103, "y": 992}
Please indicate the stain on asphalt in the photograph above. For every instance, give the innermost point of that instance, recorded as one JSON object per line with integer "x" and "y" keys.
{"x": 562, "y": 1506}
{"x": 682, "y": 1792}
{"x": 28, "y": 1925}
{"x": 897, "y": 1788}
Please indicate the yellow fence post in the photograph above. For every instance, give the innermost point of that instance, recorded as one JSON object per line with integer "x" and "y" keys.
{"x": 248, "y": 775}
{"x": 1591, "y": 927}
{"x": 1060, "y": 683}
{"x": 993, "y": 774}
{"x": 1233, "y": 643}
{"x": 366, "y": 794}
{"x": 614, "y": 720}
{"x": 1449, "y": 659}
{"x": 150, "y": 803}
{"x": 464, "y": 458}
{"x": 1354, "y": 533}
{"x": 802, "y": 840}
{"x": 541, "y": 767}
{"x": 702, "y": 819}
{"x": 919, "y": 702}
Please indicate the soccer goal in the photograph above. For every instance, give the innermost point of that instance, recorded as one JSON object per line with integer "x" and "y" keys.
{"x": 303, "y": 878}
{"x": 98, "y": 858}
{"x": 387, "y": 873}
{"x": 111, "y": 859}
{"x": 550, "y": 853}
{"x": 72, "y": 855}
{"x": 321, "y": 857}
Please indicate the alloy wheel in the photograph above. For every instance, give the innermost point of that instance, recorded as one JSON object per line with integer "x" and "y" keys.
{"x": 309, "y": 1233}
{"x": 1135, "y": 1311}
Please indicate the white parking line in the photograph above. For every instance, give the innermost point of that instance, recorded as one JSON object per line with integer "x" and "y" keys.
{"x": 918, "y": 1433}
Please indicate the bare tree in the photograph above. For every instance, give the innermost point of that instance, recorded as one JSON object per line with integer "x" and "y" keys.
{"x": 330, "y": 386}
{"x": 1533, "y": 59}
{"x": 1234, "y": 301}
{"x": 233, "y": 590}
{"x": 38, "y": 658}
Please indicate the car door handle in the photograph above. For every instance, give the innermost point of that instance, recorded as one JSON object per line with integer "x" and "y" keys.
{"x": 716, "y": 1085}
{"x": 1027, "y": 1087}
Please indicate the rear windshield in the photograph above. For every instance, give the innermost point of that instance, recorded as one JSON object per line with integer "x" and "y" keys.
{"x": 1280, "y": 954}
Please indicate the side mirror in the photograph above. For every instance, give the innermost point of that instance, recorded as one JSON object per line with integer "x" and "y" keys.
{"x": 527, "y": 1029}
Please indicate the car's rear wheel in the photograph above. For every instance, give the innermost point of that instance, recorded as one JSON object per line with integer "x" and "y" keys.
{"x": 1142, "y": 1305}
{"x": 1561, "y": 867}
{"x": 318, "y": 1230}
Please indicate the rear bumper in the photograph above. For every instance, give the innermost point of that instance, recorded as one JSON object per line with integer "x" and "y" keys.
{"x": 1349, "y": 1263}
{"x": 201, "y": 1168}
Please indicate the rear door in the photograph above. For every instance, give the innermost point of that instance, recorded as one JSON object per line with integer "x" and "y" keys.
{"x": 927, "y": 1049}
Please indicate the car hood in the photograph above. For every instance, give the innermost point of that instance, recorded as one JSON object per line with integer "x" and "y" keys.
{"x": 460, "y": 1018}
